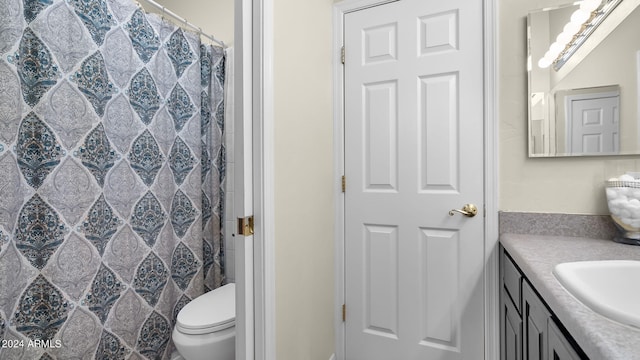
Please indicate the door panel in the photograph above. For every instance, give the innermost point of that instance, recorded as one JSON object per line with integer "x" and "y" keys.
{"x": 381, "y": 142}
{"x": 381, "y": 280}
{"x": 559, "y": 347}
{"x": 511, "y": 328}
{"x": 439, "y": 132}
{"x": 414, "y": 151}
{"x": 595, "y": 126}
{"x": 439, "y": 288}
{"x": 380, "y": 43}
{"x": 534, "y": 318}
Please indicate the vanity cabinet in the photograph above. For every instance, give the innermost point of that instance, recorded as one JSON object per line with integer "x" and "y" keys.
{"x": 528, "y": 329}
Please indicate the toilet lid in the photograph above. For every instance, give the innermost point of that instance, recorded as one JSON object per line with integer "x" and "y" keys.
{"x": 210, "y": 312}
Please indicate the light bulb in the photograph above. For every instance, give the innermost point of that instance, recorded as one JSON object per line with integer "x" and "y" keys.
{"x": 556, "y": 48}
{"x": 572, "y": 28}
{"x": 590, "y": 5}
{"x": 544, "y": 63}
{"x": 580, "y": 16}
{"x": 564, "y": 38}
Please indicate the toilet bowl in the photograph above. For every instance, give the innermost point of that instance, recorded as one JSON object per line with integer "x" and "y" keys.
{"x": 205, "y": 327}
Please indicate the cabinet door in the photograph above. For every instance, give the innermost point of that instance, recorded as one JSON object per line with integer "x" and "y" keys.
{"x": 534, "y": 318}
{"x": 510, "y": 330}
{"x": 559, "y": 347}
{"x": 511, "y": 280}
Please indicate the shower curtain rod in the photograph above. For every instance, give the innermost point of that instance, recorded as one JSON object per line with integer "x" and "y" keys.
{"x": 184, "y": 21}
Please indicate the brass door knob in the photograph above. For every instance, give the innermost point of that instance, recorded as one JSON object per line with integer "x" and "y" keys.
{"x": 468, "y": 210}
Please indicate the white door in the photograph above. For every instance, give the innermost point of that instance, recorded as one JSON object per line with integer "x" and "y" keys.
{"x": 595, "y": 126}
{"x": 413, "y": 152}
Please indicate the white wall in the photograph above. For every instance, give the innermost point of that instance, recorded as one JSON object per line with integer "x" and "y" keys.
{"x": 304, "y": 179}
{"x": 563, "y": 185}
{"x": 215, "y": 17}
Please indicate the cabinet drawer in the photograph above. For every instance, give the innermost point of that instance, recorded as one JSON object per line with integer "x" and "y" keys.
{"x": 512, "y": 279}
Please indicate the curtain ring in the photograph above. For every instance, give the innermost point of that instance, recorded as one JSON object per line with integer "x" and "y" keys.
{"x": 163, "y": 12}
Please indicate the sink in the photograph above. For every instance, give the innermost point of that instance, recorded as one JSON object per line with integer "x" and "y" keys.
{"x": 609, "y": 287}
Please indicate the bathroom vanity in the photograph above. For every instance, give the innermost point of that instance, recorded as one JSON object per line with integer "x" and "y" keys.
{"x": 528, "y": 328}
{"x": 539, "y": 319}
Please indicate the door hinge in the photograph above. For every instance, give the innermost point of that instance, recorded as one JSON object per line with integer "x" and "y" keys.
{"x": 344, "y": 183}
{"x": 342, "y": 56}
{"x": 344, "y": 312}
{"x": 245, "y": 226}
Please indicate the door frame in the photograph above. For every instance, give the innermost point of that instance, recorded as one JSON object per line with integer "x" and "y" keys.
{"x": 491, "y": 283}
{"x": 264, "y": 272}
{"x": 253, "y": 110}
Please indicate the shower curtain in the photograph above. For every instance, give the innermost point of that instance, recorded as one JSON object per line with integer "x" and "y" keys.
{"x": 112, "y": 170}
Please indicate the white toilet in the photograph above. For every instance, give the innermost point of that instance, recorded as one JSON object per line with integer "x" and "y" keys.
{"x": 206, "y": 327}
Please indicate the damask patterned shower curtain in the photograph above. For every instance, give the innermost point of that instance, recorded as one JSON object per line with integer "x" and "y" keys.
{"x": 111, "y": 178}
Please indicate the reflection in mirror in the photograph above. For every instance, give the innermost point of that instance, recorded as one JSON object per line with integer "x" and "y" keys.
{"x": 585, "y": 102}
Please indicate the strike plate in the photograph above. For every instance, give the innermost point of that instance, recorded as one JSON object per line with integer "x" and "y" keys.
{"x": 245, "y": 226}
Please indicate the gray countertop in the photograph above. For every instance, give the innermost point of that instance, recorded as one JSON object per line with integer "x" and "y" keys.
{"x": 599, "y": 337}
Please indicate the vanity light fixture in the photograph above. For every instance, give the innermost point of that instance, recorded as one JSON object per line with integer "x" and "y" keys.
{"x": 583, "y": 22}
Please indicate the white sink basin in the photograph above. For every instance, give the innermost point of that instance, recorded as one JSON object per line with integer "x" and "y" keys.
{"x": 609, "y": 287}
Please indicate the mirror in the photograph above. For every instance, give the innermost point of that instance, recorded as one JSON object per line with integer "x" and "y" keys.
{"x": 583, "y": 100}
